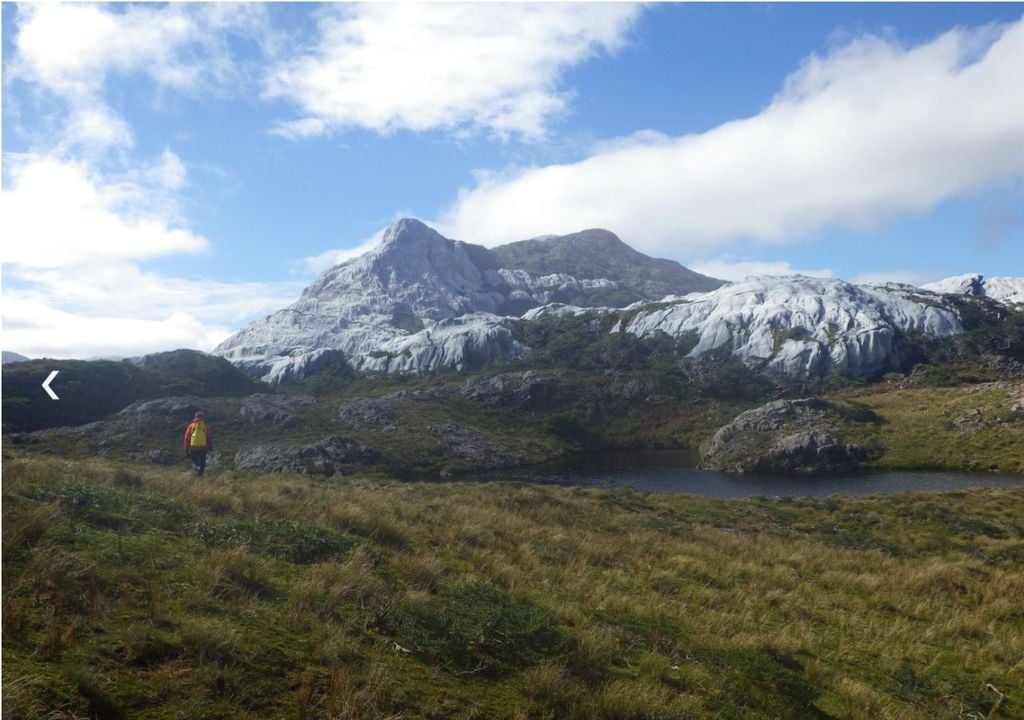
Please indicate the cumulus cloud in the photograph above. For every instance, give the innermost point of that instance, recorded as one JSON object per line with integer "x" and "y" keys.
{"x": 457, "y": 66}
{"x": 74, "y": 286}
{"x": 869, "y": 132}
{"x": 60, "y": 213}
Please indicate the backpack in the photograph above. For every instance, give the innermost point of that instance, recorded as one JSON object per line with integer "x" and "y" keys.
{"x": 198, "y": 437}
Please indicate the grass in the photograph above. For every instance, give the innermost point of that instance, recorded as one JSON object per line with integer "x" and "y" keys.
{"x": 971, "y": 427}
{"x": 368, "y": 598}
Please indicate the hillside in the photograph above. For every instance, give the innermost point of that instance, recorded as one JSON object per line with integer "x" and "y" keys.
{"x": 92, "y": 389}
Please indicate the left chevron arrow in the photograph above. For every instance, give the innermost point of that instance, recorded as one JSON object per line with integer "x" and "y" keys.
{"x": 46, "y": 385}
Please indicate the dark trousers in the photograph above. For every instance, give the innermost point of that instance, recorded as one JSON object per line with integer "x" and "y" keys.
{"x": 198, "y": 458}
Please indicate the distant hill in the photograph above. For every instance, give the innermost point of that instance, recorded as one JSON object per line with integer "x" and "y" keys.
{"x": 92, "y": 389}
{"x": 13, "y": 357}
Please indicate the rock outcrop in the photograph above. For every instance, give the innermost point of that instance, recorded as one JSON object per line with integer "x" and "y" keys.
{"x": 370, "y": 413}
{"x": 1007, "y": 290}
{"x": 522, "y": 391}
{"x": 329, "y": 456}
{"x": 801, "y": 325}
{"x": 471, "y": 448}
{"x": 273, "y": 409}
{"x": 791, "y": 437}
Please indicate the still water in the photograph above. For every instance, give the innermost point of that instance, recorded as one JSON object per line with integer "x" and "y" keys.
{"x": 673, "y": 471}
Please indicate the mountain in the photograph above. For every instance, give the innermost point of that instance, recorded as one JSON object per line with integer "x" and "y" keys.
{"x": 420, "y": 301}
{"x": 599, "y": 253}
{"x": 1007, "y": 290}
{"x": 13, "y": 357}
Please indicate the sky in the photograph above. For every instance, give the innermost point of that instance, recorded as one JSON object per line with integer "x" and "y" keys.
{"x": 173, "y": 171}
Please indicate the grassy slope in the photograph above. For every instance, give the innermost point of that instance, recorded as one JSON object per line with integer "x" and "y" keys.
{"x": 138, "y": 592}
{"x": 971, "y": 427}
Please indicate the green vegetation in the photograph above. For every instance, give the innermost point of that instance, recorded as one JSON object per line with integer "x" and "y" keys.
{"x": 970, "y": 427}
{"x": 91, "y": 390}
{"x": 136, "y": 591}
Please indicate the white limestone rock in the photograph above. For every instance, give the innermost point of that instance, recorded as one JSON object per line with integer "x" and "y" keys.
{"x": 417, "y": 302}
{"x": 1007, "y": 290}
{"x": 801, "y": 325}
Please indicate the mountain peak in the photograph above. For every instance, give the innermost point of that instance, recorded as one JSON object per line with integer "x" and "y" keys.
{"x": 408, "y": 231}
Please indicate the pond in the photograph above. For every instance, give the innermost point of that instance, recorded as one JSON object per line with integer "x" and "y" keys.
{"x": 674, "y": 471}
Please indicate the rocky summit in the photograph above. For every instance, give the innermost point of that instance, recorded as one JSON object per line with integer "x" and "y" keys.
{"x": 420, "y": 302}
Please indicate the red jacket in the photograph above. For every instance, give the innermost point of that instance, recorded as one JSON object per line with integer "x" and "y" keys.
{"x": 188, "y": 436}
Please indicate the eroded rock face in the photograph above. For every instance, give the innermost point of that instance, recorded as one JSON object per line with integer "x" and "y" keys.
{"x": 332, "y": 455}
{"x": 804, "y": 326}
{"x": 791, "y": 437}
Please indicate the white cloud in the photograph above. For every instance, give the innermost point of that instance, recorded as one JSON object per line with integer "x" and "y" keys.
{"x": 73, "y": 241}
{"x": 868, "y": 133}
{"x": 70, "y": 49}
{"x": 94, "y": 125}
{"x": 316, "y": 264}
{"x": 728, "y": 268}
{"x": 39, "y": 330}
{"x": 56, "y": 213}
{"x": 460, "y": 66}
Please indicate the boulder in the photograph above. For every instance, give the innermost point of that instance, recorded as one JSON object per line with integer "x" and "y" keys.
{"x": 791, "y": 437}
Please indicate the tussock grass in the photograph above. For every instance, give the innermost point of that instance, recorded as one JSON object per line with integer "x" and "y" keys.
{"x": 972, "y": 427}
{"x": 236, "y": 595}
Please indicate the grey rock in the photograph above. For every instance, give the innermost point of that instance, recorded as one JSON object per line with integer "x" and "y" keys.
{"x": 329, "y": 456}
{"x": 472, "y": 448}
{"x": 177, "y": 407}
{"x": 370, "y": 413}
{"x": 275, "y": 409}
{"x": 522, "y": 391}
{"x": 790, "y": 437}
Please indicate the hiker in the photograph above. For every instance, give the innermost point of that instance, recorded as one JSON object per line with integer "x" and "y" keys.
{"x": 198, "y": 442}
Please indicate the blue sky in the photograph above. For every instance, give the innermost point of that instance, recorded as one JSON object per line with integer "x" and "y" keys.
{"x": 174, "y": 171}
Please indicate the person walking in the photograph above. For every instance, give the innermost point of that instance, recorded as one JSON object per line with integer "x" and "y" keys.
{"x": 198, "y": 442}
